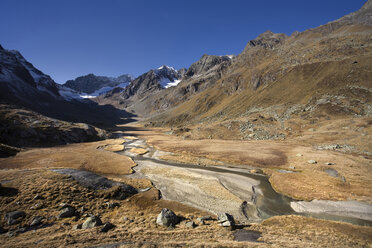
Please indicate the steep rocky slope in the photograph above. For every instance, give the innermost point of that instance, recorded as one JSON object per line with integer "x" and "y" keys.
{"x": 35, "y": 111}
{"x": 319, "y": 74}
{"x": 23, "y": 85}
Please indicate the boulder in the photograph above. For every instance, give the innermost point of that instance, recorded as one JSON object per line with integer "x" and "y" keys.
{"x": 66, "y": 212}
{"x": 167, "y": 218}
{"x": 14, "y": 217}
{"x": 91, "y": 222}
{"x": 226, "y": 220}
{"x": 107, "y": 226}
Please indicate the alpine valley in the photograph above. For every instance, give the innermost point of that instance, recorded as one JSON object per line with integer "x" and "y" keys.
{"x": 267, "y": 148}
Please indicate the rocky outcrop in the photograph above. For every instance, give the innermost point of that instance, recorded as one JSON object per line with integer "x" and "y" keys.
{"x": 205, "y": 63}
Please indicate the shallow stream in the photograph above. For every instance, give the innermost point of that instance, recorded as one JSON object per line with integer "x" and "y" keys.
{"x": 266, "y": 200}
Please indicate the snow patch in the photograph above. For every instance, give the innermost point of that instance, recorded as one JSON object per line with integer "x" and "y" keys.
{"x": 69, "y": 94}
{"x": 174, "y": 83}
{"x": 103, "y": 90}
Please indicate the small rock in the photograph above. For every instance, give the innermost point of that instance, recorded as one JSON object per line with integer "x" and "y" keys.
{"x": 107, "y": 226}
{"x": 92, "y": 221}
{"x": 226, "y": 224}
{"x": 190, "y": 224}
{"x": 36, "y": 221}
{"x": 226, "y": 220}
{"x": 222, "y": 217}
{"x": 66, "y": 212}
{"x": 14, "y": 217}
{"x": 299, "y": 155}
{"x": 112, "y": 205}
{"x": 311, "y": 129}
{"x": 343, "y": 179}
{"x": 332, "y": 172}
{"x": 77, "y": 226}
{"x": 125, "y": 218}
{"x": 167, "y": 218}
{"x": 312, "y": 161}
{"x": 329, "y": 163}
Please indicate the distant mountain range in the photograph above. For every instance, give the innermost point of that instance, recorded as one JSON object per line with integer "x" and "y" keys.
{"x": 91, "y": 85}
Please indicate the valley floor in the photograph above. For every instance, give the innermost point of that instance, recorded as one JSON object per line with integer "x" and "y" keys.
{"x": 28, "y": 184}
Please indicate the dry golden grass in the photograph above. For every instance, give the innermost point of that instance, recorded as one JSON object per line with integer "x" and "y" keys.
{"x": 140, "y": 228}
{"x": 298, "y": 231}
{"x": 83, "y": 156}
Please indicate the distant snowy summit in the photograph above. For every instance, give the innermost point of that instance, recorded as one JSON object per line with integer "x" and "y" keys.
{"x": 168, "y": 76}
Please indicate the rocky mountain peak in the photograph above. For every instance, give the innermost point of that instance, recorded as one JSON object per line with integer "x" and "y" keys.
{"x": 205, "y": 63}
{"x": 267, "y": 40}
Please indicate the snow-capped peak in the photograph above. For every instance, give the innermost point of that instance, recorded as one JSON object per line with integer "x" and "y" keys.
{"x": 165, "y": 67}
{"x": 167, "y": 76}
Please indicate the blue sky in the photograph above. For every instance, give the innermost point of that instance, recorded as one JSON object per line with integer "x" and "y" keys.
{"x": 70, "y": 38}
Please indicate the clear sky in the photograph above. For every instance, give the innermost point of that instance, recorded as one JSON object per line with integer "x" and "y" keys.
{"x": 70, "y": 38}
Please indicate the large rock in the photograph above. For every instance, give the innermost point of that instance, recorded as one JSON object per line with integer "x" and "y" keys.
{"x": 14, "y": 217}
{"x": 91, "y": 222}
{"x": 167, "y": 218}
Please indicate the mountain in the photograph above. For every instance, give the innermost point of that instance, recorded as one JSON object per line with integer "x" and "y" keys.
{"x": 35, "y": 110}
{"x": 161, "y": 89}
{"x": 147, "y": 84}
{"x": 319, "y": 74}
{"x": 91, "y": 85}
